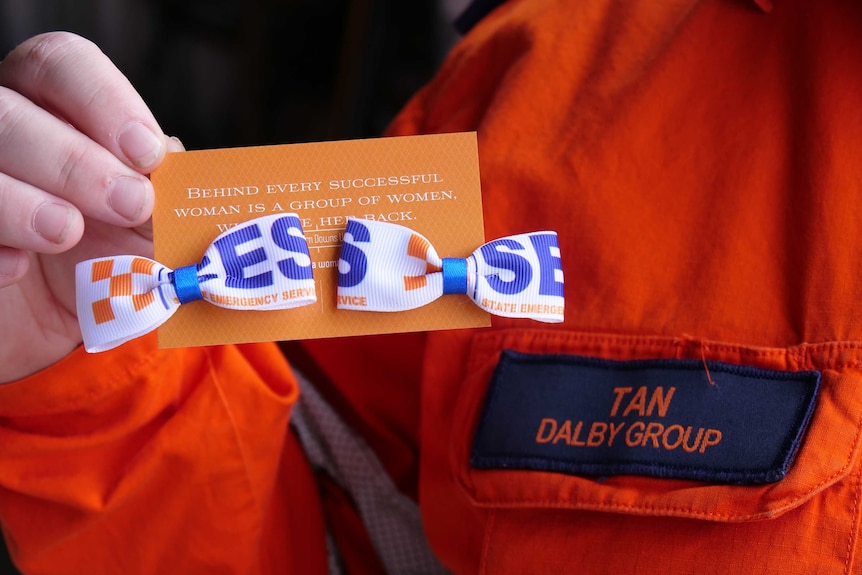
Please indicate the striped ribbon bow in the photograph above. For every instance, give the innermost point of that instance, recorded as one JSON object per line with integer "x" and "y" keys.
{"x": 387, "y": 267}
{"x": 262, "y": 264}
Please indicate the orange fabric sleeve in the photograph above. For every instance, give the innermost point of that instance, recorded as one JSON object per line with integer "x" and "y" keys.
{"x": 158, "y": 461}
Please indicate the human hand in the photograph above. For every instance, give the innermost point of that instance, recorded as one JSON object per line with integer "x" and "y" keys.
{"x": 76, "y": 141}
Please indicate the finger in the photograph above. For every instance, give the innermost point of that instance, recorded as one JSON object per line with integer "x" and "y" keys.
{"x": 32, "y": 219}
{"x": 13, "y": 265}
{"x": 71, "y": 77}
{"x": 146, "y": 229}
{"x": 45, "y": 152}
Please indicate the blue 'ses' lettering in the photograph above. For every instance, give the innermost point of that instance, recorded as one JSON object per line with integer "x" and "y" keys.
{"x": 235, "y": 264}
{"x": 353, "y": 256}
{"x": 548, "y": 250}
{"x": 508, "y": 260}
{"x": 283, "y": 239}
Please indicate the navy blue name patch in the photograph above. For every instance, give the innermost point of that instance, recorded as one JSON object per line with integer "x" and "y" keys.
{"x": 660, "y": 418}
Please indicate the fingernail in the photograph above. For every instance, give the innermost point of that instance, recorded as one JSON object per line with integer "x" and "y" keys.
{"x": 51, "y": 221}
{"x": 127, "y": 196}
{"x": 140, "y": 145}
{"x": 175, "y": 145}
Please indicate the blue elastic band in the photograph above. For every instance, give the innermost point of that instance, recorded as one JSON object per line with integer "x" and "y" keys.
{"x": 454, "y": 275}
{"x": 186, "y": 284}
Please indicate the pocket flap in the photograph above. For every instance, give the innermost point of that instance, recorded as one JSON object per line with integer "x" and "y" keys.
{"x": 657, "y": 426}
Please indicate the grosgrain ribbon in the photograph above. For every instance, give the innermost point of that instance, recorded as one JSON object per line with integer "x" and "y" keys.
{"x": 262, "y": 264}
{"x": 388, "y": 267}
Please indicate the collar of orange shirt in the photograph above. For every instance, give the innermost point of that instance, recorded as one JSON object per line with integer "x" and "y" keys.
{"x": 478, "y": 9}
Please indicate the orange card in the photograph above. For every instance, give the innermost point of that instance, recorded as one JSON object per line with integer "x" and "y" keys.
{"x": 427, "y": 183}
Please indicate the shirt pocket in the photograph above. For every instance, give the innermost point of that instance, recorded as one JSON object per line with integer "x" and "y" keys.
{"x": 665, "y": 479}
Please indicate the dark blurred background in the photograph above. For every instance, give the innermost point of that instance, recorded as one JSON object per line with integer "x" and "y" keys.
{"x": 226, "y": 73}
{"x": 223, "y": 73}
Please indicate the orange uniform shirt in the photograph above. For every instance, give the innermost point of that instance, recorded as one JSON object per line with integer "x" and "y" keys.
{"x": 698, "y": 160}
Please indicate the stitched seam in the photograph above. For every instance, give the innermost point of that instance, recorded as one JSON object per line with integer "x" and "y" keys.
{"x": 650, "y": 508}
{"x": 233, "y": 429}
{"x": 141, "y": 365}
{"x": 788, "y": 505}
{"x": 486, "y": 547}
{"x": 495, "y": 462}
{"x": 854, "y": 527}
{"x": 803, "y": 350}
